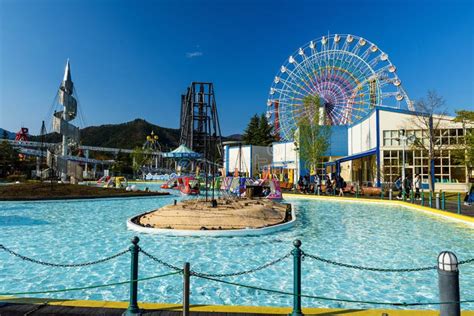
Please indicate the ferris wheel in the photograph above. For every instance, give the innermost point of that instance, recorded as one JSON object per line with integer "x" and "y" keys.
{"x": 350, "y": 75}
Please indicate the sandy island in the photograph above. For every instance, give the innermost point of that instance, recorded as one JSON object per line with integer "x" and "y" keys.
{"x": 59, "y": 191}
{"x": 229, "y": 214}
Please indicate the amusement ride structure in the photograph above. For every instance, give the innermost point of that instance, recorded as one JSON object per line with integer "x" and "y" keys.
{"x": 60, "y": 158}
{"x": 350, "y": 75}
{"x": 199, "y": 121}
{"x": 152, "y": 147}
{"x": 69, "y": 132}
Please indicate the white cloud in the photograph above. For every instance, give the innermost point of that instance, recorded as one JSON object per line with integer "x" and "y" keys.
{"x": 194, "y": 54}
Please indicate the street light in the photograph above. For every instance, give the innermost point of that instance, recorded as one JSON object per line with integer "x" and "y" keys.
{"x": 403, "y": 139}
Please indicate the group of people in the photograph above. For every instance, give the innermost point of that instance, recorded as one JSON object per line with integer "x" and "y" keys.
{"x": 406, "y": 185}
{"x": 313, "y": 184}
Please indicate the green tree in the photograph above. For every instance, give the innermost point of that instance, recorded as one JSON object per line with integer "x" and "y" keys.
{"x": 140, "y": 157}
{"x": 251, "y": 132}
{"x": 312, "y": 137}
{"x": 431, "y": 111}
{"x": 9, "y": 160}
{"x": 122, "y": 164}
{"x": 258, "y": 132}
{"x": 464, "y": 153}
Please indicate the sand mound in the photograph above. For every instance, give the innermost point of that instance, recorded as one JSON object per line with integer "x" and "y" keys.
{"x": 229, "y": 214}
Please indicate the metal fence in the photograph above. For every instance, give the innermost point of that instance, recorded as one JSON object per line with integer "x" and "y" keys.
{"x": 447, "y": 267}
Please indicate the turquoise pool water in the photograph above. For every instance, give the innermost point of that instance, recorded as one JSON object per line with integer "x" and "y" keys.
{"x": 364, "y": 234}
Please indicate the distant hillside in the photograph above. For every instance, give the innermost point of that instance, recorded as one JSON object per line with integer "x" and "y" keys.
{"x": 9, "y": 134}
{"x": 234, "y": 137}
{"x": 126, "y": 135}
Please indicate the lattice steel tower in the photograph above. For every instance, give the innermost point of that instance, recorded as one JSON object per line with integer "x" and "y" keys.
{"x": 200, "y": 128}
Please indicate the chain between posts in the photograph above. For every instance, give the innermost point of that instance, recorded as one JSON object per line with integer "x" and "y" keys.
{"x": 222, "y": 275}
{"x": 92, "y": 286}
{"x": 322, "y": 298}
{"x": 465, "y": 261}
{"x": 345, "y": 265}
{"x": 62, "y": 265}
{"x": 163, "y": 263}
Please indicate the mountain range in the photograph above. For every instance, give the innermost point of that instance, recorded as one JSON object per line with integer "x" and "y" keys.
{"x": 125, "y": 135}
{"x": 8, "y": 134}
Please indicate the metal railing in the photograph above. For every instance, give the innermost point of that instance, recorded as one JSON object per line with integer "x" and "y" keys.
{"x": 448, "y": 275}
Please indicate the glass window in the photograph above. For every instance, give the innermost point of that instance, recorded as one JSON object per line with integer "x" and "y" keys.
{"x": 458, "y": 174}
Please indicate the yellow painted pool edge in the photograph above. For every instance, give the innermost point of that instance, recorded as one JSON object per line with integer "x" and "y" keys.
{"x": 220, "y": 308}
{"x": 459, "y": 217}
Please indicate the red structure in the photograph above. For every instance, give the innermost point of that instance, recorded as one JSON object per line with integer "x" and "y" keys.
{"x": 22, "y": 135}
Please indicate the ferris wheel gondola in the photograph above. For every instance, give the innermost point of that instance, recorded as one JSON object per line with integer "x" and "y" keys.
{"x": 350, "y": 74}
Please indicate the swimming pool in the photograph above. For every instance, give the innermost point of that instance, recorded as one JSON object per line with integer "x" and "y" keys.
{"x": 355, "y": 233}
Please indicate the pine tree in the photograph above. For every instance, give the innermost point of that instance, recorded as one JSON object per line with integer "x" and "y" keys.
{"x": 258, "y": 132}
{"x": 251, "y": 132}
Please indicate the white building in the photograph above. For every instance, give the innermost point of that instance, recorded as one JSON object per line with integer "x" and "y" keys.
{"x": 370, "y": 152}
{"x": 375, "y": 149}
{"x": 247, "y": 160}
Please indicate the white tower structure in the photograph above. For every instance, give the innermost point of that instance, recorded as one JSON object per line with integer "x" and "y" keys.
{"x": 61, "y": 119}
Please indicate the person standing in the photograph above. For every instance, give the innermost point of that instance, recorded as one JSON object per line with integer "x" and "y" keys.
{"x": 300, "y": 184}
{"x": 341, "y": 185}
{"x": 407, "y": 185}
{"x": 398, "y": 186}
{"x": 417, "y": 186}
{"x": 317, "y": 182}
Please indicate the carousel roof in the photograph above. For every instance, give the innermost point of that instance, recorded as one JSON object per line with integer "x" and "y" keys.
{"x": 182, "y": 152}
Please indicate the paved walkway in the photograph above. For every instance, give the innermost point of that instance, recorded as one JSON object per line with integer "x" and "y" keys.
{"x": 450, "y": 204}
{"x": 25, "y": 306}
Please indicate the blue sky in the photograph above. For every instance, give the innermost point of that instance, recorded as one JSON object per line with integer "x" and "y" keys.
{"x": 133, "y": 59}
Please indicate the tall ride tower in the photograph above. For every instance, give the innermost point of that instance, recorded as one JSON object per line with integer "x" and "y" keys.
{"x": 200, "y": 129}
{"x": 61, "y": 119}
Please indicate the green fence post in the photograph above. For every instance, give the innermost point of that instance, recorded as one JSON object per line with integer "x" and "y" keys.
{"x": 459, "y": 202}
{"x": 431, "y": 199}
{"x": 412, "y": 197}
{"x": 381, "y": 193}
{"x": 404, "y": 195}
{"x": 186, "y": 283}
{"x": 133, "y": 306}
{"x": 357, "y": 191}
{"x": 422, "y": 198}
{"x": 443, "y": 204}
{"x": 297, "y": 253}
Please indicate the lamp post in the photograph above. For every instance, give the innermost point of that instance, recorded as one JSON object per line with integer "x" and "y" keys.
{"x": 297, "y": 162}
{"x": 403, "y": 139}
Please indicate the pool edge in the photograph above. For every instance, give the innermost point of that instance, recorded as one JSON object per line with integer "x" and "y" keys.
{"x": 451, "y": 216}
{"x": 220, "y": 308}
